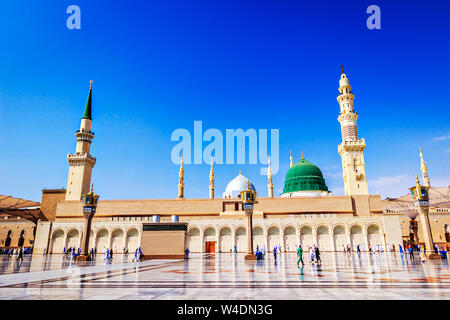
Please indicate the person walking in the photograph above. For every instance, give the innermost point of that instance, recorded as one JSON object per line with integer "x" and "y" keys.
{"x": 187, "y": 253}
{"x": 317, "y": 252}
{"x": 20, "y": 257}
{"x": 312, "y": 256}
{"x": 300, "y": 255}
{"x": 275, "y": 252}
{"x": 411, "y": 252}
{"x": 423, "y": 256}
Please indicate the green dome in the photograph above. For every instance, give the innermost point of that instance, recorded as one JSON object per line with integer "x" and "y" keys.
{"x": 304, "y": 176}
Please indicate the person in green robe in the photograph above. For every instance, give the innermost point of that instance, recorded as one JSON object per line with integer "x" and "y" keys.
{"x": 300, "y": 255}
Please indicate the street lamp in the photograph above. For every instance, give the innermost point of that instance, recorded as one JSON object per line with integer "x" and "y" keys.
{"x": 421, "y": 201}
{"x": 248, "y": 197}
{"x": 89, "y": 208}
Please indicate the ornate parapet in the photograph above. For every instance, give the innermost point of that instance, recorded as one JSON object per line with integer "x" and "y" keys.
{"x": 77, "y": 159}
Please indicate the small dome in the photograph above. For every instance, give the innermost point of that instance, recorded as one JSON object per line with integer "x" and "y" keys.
{"x": 237, "y": 185}
{"x": 304, "y": 176}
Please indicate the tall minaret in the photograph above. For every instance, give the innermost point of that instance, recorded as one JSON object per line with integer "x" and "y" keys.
{"x": 181, "y": 180}
{"x": 269, "y": 181}
{"x": 81, "y": 162}
{"x": 290, "y": 158}
{"x": 351, "y": 149}
{"x": 211, "y": 181}
{"x": 424, "y": 169}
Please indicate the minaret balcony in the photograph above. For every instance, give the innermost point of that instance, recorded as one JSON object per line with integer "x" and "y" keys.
{"x": 352, "y": 145}
{"x": 80, "y": 158}
{"x": 84, "y": 135}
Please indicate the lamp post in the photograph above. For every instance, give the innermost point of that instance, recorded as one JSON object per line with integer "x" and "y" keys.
{"x": 248, "y": 199}
{"x": 89, "y": 207}
{"x": 421, "y": 201}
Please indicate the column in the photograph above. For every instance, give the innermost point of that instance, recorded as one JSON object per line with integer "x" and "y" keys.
{"x": 366, "y": 240}
{"x": 218, "y": 241}
{"x": 333, "y": 245}
{"x": 249, "y": 232}
{"x": 315, "y": 239}
{"x": 349, "y": 241}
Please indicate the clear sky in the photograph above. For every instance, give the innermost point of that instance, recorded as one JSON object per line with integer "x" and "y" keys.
{"x": 161, "y": 65}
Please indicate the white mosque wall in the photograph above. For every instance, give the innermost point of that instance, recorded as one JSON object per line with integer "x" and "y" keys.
{"x": 330, "y": 234}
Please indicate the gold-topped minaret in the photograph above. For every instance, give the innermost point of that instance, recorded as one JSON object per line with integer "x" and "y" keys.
{"x": 269, "y": 181}
{"x": 424, "y": 169}
{"x": 351, "y": 149}
{"x": 211, "y": 181}
{"x": 81, "y": 162}
{"x": 292, "y": 162}
{"x": 181, "y": 180}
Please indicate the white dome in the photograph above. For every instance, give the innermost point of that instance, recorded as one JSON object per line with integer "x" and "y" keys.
{"x": 237, "y": 185}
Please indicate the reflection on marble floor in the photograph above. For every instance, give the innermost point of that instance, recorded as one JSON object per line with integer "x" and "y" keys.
{"x": 226, "y": 276}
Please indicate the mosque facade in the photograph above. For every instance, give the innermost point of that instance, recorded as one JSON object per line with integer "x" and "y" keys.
{"x": 306, "y": 213}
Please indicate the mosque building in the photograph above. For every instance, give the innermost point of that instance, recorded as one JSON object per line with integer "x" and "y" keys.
{"x": 306, "y": 213}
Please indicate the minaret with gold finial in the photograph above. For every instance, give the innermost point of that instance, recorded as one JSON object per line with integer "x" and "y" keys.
{"x": 291, "y": 160}
{"x": 181, "y": 180}
{"x": 269, "y": 181}
{"x": 351, "y": 148}
{"x": 81, "y": 162}
{"x": 211, "y": 181}
{"x": 424, "y": 169}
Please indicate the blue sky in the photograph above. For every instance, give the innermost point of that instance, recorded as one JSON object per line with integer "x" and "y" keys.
{"x": 161, "y": 65}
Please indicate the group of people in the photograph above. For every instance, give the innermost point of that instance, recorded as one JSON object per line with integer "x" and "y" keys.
{"x": 359, "y": 248}
{"x": 71, "y": 251}
{"x": 18, "y": 251}
{"x": 410, "y": 249}
{"x": 314, "y": 255}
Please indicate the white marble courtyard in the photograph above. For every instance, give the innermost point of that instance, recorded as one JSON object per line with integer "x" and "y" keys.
{"x": 226, "y": 276}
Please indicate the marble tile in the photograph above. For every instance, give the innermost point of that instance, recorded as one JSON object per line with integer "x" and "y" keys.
{"x": 226, "y": 276}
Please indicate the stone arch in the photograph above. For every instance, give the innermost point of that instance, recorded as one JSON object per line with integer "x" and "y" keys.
{"x": 290, "y": 238}
{"x": 306, "y": 229}
{"x": 259, "y": 238}
{"x": 209, "y": 231}
{"x": 306, "y": 236}
{"x": 355, "y": 229}
{"x": 102, "y": 239}
{"x": 21, "y": 238}
{"x": 324, "y": 238}
{"x": 117, "y": 240}
{"x": 194, "y": 241}
{"x": 373, "y": 231}
{"x": 274, "y": 238}
{"x": 132, "y": 239}
{"x": 210, "y": 239}
{"x": 258, "y": 230}
{"x": 373, "y": 228}
{"x": 240, "y": 230}
{"x": 225, "y": 230}
{"x": 339, "y": 229}
{"x": 356, "y": 236}
{"x": 273, "y": 230}
{"x": 322, "y": 229}
{"x": 225, "y": 239}
{"x": 241, "y": 239}
{"x": 73, "y": 238}
{"x": 194, "y": 231}
{"x": 287, "y": 230}
{"x": 57, "y": 241}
